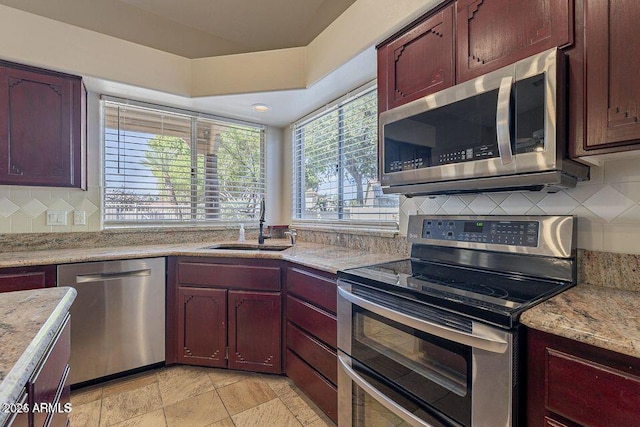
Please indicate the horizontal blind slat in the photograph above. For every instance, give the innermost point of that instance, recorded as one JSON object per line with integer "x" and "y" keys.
{"x": 166, "y": 167}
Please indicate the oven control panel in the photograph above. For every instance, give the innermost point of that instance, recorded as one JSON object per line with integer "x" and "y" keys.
{"x": 515, "y": 233}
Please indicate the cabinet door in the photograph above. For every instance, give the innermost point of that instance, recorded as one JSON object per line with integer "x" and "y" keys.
{"x": 254, "y": 331}
{"x": 612, "y": 84}
{"x": 494, "y": 33}
{"x": 419, "y": 62}
{"x": 40, "y": 128}
{"x": 24, "y": 278}
{"x": 202, "y": 326}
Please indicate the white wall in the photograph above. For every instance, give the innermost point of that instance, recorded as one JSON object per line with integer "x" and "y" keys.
{"x": 607, "y": 206}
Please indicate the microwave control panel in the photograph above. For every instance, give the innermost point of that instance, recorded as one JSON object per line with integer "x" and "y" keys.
{"x": 443, "y": 157}
{"x": 515, "y": 233}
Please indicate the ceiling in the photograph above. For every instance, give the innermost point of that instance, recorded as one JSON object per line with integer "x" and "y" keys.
{"x": 196, "y": 28}
{"x": 206, "y": 28}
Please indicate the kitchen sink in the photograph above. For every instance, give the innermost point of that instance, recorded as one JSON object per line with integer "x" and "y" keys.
{"x": 248, "y": 247}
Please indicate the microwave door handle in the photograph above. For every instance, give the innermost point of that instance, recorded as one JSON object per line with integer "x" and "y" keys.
{"x": 473, "y": 340}
{"x": 392, "y": 406}
{"x": 502, "y": 120}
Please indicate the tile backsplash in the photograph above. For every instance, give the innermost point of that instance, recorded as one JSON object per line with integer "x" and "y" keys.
{"x": 24, "y": 209}
{"x": 607, "y": 206}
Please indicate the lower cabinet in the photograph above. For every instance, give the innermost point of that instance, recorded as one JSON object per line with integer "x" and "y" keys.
{"x": 311, "y": 332}
{"x": 574, "y": 384}
{"x": 25, "y": 278}
{"x": 47, "y": 392}
{"x": 227, "y": 313}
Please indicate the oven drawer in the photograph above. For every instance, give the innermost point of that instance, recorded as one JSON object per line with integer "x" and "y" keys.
{"x": 313, "y": 287}
{"x": 315, "y": 321}
{"x": 316, "y": 354}
{"x": 321, "y": 391}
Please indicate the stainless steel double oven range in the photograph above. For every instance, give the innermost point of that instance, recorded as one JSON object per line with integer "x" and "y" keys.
{"x": 434, "y": 340}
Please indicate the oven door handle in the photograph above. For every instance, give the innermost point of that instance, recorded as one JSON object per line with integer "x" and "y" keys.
{"x": 380, "y": 397}
{"x": 473, "y": 340}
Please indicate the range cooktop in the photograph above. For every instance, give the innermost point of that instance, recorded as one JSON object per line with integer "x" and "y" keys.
{"x": 487, "y": 268}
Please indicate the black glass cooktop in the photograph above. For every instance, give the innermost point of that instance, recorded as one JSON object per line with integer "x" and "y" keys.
{"x": 493, "y": 297}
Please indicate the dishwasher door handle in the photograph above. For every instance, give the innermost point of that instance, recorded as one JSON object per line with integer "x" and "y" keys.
{"x": 101, "y": 277}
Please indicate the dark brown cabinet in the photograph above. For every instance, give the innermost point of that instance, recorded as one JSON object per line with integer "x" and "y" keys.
{"x": 417, "y": 63}
{"x": 41, "y": 127}
{"x": 311, "y": 332}
{"x": 225, "y": 313}
{"x": 203, "y": 330}
{"x": 575, "y": 384}
{"x": 24, "y": 278}
{"x": 466, "y": 39}
{"x": 491, "y": 34}
{"x": 611, "y": 83}
{"x": 259, "y": 313}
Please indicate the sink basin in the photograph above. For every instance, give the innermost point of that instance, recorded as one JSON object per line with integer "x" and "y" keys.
{"x": 248, "y": 247}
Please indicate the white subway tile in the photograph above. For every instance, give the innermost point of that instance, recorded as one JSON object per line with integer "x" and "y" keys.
{"x": 622, "y": 238}
{"x": 516, "y": 204}
{"x": 482, "y": 205}
{"x": 34, "y": 208}
{"x": 584, "y": 190}
{"x": 608, "y": 203}
{"x": 453, "y": 206}
{"x": 7, "y": 207}
{"x": 21, "y": 224}
{"x": 590, "y": 235}
{"x": 559, "y": 203}
{"x": 60, "y": 205}
{"x": 624, "y": 170}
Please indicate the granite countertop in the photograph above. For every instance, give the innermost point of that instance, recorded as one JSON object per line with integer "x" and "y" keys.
{"x": 29, "y": 321}
{"x": 603, "y": 317}
{"x": 321, "y": 257}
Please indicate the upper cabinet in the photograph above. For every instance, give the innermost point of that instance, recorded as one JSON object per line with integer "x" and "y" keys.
{"x": 417, "y": 63}
{"x": 612, "y": 87}
{"x": 42, "y": 116}
{"x": 430, "y": 55}
{"x": 491, "y": 34}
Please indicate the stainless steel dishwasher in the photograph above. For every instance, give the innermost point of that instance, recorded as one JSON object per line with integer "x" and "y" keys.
{"x": 118, "y": 317}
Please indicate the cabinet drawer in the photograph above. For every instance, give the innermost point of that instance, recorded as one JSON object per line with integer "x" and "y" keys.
{"x": 45, "y": 384}
{"x": 315, "y": 321}
{"x": 312, "y": 287}
{"x": 582, "y": 391}
{"x": 312, "y": 351}
{"x": 19, "y": 418}
{"x": 23, "y": 278}
{"x": 59, "y": 417}
{"x": 323, "y": 393}
{"x": 229, "y": 276}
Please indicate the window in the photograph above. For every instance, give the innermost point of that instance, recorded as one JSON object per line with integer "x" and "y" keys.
{"x": 335, "y": 165}
{"x": 171, "y": 166}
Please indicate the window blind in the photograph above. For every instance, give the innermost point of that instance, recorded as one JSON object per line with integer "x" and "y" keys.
{"x": 335, "y": 164}
{"x": 179, "y": 167}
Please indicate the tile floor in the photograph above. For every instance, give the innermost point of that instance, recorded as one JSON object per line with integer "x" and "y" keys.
{"x": 187, "y": 396}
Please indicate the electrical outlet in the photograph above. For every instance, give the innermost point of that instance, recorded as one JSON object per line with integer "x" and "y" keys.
{"x": 79, "y": 218}
{"x": 56, "y": 218}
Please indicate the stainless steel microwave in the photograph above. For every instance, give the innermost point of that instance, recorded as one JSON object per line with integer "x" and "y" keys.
{"x": 504, "y": 130}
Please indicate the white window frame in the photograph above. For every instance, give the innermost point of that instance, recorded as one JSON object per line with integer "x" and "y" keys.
{"x": 193, "y": 219}
{"x": 298, "y": 190}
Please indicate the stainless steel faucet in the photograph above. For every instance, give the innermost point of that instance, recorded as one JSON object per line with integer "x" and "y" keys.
{"x": 292, "y": 235}
{"x": 261, "y": 235}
